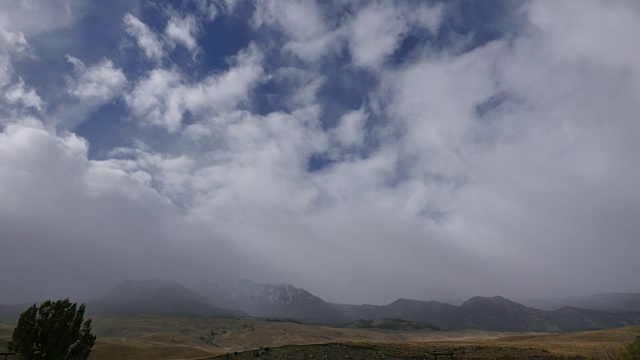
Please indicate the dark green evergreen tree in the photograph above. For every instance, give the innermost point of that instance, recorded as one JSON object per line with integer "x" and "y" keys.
{"x": 53, "y": 330}
{"x": 631, "y": 351}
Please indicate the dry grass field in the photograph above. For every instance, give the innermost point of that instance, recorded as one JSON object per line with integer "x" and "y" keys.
{"x": 166, "y": 337}
{"x": 5, "y": 334}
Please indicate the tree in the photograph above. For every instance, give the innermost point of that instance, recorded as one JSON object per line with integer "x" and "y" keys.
{"x": 54, "y": 330}
{"x": 631, "y": 351}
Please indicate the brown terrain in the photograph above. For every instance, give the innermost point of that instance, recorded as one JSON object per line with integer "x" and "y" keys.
{"x": 169, "y": 337}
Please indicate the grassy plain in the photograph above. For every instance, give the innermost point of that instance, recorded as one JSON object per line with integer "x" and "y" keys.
{"x": 168, "y": 337}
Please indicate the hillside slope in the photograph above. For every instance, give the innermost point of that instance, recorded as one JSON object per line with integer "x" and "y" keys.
{"x": 492, "y": 314}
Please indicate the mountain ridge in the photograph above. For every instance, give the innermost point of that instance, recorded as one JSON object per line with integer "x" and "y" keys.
{"x": 495, "y": 313}
{"x": 285, "y": 301}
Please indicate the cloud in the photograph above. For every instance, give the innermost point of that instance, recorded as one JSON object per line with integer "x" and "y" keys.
{"x": 19, "y": 94}
{"x": 87, "y": 221}
{"x": 299, "y": 19}
{"x": 13, "y": 41}
{"x": 17, "y": 98}
{"x": 372, "y": 34}
{"x": 164, "y": 96}
{"x": 12, "y": 44}
{"x": 154, "y": 100}
{"x": 208, "y": 8}
{"x": 506, "y": 167}
{"x": 96, "y": 85}
{"x": 146, "y": 39}
{"x": 88, "y": 89}
{"x": 302, "y": 87}
{"x": 433, "y": 105}
{"x": 375, "y": 34}
{"x": 34, "y": 17}
{"x": 180, "y": 29}
{"x": 551, "y": 127}
{"x": 350, "y": 131}
{"x": 376, "y": 30}
{"x": 302, "y": 23}
{"x": 183, "y": 31}
{"x": 543, "y": 109}
{"x": 588, "y": 35}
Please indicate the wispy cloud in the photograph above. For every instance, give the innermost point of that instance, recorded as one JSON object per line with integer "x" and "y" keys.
{"x": 146, "y": 39}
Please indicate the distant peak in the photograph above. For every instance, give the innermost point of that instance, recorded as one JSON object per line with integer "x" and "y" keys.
{"x": 405, "y": 301}
{"x": 249, "y": 282}
{"x": 489, "y": 301}
{"x": 485, "y": 298}
{"x": 414, "y": 301}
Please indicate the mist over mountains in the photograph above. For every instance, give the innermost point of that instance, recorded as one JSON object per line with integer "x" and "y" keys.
{"x": 246, "y": 298}
{"x": 158, "y": 297}
{"x": 269, "y": 300}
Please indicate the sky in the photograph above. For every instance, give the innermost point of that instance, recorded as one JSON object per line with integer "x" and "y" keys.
{"x": 362, "y": 150}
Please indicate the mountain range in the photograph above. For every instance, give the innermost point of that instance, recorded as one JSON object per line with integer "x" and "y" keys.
{"x": 246, "y": 298}
{"x": 610, "y": 302}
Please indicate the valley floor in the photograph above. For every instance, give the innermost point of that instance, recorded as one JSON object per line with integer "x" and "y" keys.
{"x": 168, "y": 337}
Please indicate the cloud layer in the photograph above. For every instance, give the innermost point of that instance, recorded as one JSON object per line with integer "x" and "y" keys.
{"x": 363, "y": 151}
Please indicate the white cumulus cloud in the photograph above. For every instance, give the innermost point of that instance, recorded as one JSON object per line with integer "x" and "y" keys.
{"x": 98, "y": 84}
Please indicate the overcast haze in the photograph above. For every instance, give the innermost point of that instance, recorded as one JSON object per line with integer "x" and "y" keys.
{"x": 364, "y": 151}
